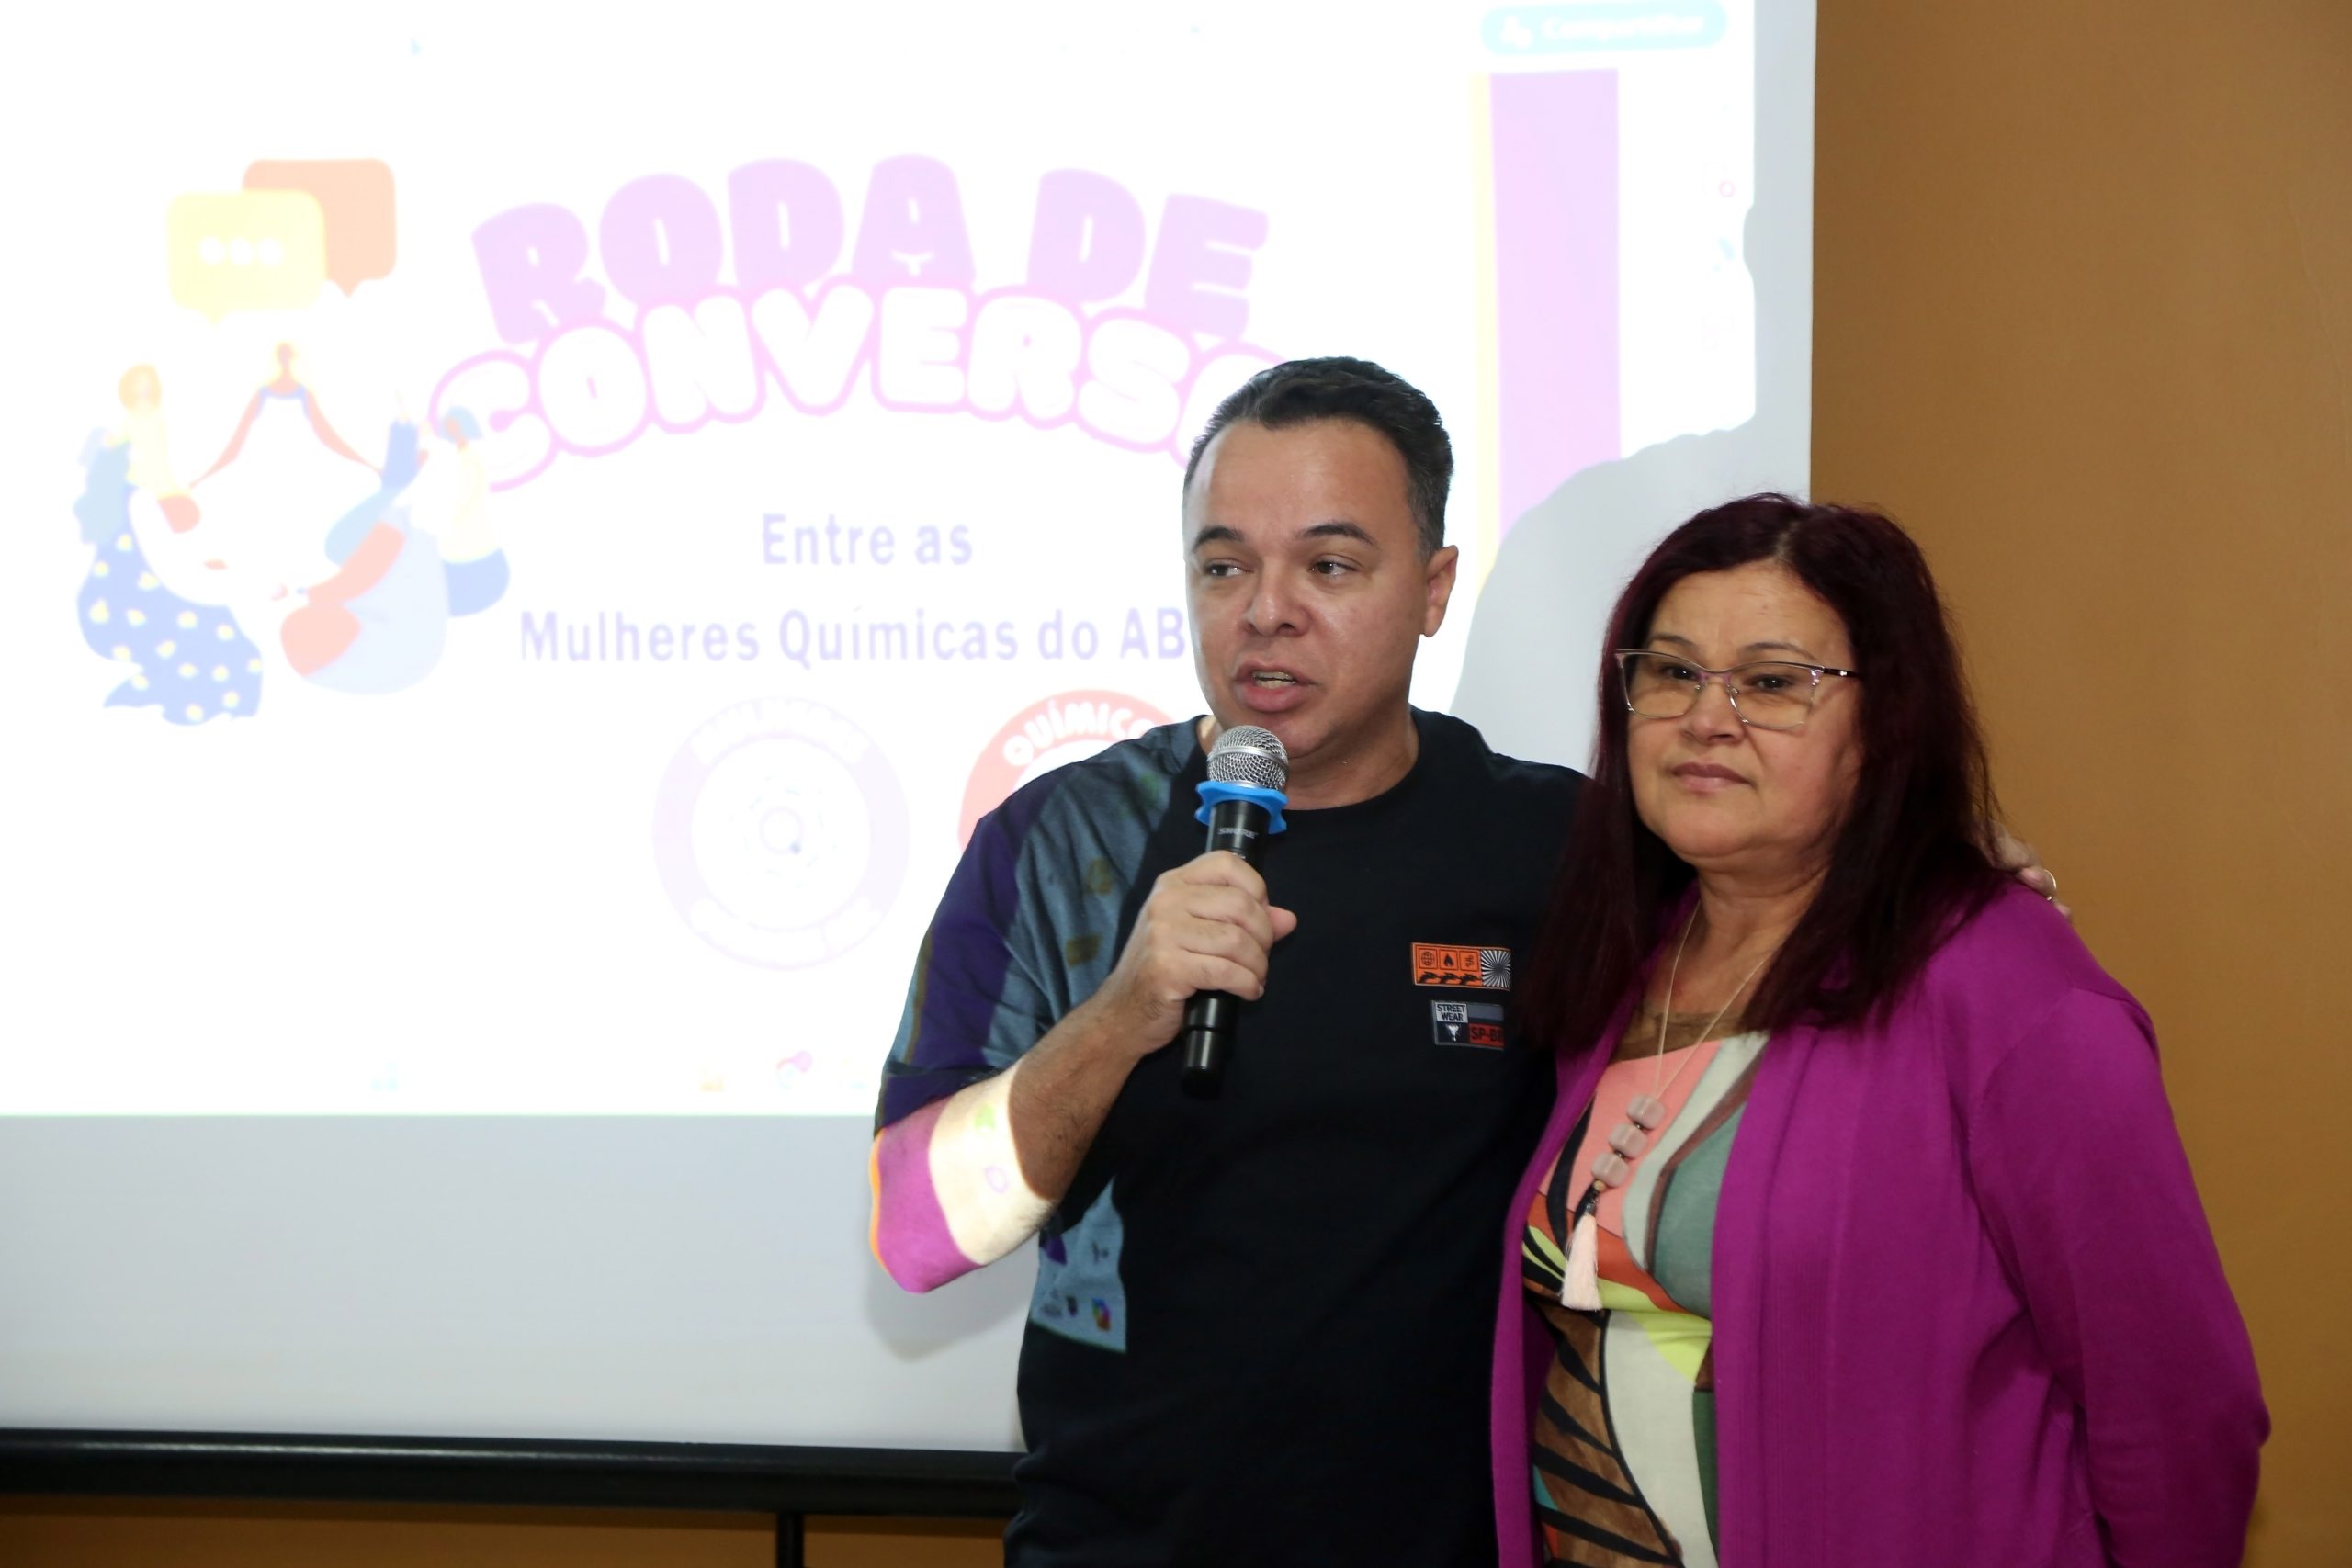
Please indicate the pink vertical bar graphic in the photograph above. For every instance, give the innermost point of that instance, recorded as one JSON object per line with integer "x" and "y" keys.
{"x": 1556, "y": 279}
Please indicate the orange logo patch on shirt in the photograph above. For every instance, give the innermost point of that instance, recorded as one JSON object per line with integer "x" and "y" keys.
{"x": 1440, "y": 964}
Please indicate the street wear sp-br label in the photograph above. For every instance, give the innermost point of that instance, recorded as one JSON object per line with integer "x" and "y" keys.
{"x": 1477, "y": 968}
{"x": 1465, "y": 1022}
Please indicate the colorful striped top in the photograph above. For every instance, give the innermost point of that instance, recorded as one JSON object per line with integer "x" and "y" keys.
{"x": 1623, "y": 1438}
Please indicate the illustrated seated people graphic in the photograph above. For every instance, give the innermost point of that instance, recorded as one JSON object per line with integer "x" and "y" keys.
{"x": 356, "y": 565}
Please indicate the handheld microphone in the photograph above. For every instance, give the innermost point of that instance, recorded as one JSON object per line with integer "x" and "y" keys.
{"x": 1242, "y": 804}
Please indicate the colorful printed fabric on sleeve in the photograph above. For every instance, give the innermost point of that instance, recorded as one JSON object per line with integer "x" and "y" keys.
{"x": 1029, "y": 927}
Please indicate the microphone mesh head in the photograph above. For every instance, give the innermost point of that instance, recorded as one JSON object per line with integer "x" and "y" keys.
{"x": 1247, "y": 754}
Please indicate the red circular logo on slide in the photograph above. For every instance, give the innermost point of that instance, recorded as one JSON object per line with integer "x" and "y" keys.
{"x": 1045, "y": 735}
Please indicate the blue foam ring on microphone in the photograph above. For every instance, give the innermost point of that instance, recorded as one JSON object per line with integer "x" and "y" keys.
{"x": 1214, "y": 793}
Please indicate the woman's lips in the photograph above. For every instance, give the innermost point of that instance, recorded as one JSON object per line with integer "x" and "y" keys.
{"x": 1708, "y": 778}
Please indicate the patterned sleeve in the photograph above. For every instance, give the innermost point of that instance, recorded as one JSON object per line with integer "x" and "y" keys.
{"x": 948, "y": 1195}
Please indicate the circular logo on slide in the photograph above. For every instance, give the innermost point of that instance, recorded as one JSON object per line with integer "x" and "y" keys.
{"x": 1043, "y": 737}
{"x": 780, "y": 832}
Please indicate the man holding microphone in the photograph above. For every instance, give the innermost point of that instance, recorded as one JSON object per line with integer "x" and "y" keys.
{"x": 1261, "y": 1318}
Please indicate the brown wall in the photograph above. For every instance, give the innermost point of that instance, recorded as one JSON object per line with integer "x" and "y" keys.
{"x": 2083, "y": 321}
{"x": 65, "y": 1533}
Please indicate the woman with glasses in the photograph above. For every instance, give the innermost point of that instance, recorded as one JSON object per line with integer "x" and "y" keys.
{"x": 1861, "y": 1233}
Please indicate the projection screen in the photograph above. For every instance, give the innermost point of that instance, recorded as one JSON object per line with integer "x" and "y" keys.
{"x": 542, "y": 527}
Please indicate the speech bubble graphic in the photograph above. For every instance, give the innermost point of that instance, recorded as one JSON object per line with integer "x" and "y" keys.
{"x": 254, "y": 250}
{"x": 356, "y": 194}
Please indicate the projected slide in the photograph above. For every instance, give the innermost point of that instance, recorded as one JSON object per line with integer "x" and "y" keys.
{"x": 537, "y": 536}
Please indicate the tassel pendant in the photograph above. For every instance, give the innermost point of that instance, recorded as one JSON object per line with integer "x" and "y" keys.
{"x": 1581, "y": 1281}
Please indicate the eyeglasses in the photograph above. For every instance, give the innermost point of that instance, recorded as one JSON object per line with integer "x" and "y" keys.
{"x": 1772, "y": 694}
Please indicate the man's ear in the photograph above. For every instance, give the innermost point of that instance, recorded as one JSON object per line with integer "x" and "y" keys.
{"x": 1438, "y": 587}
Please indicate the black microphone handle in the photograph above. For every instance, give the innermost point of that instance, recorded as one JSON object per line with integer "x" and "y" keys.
{"x": 1208, "y": 1038}
{"x": 1238, "y": 826}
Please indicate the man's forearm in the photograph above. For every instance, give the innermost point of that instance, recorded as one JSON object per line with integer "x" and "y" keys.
{"x": 965, "y": 1179}
{"x": 1067, "y": 1086}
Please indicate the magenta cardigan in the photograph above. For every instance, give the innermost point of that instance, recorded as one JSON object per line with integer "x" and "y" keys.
{"x": 1967, "y": 1310}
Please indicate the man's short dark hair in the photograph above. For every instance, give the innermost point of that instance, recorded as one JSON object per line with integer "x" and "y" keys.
{"x": 1299, "y": 391}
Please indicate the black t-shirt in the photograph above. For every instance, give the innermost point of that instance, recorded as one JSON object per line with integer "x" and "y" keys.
{"x": 1263, "y": 1322}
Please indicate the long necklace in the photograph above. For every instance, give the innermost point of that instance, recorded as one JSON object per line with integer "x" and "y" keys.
{"x": 1581, "y": 1281}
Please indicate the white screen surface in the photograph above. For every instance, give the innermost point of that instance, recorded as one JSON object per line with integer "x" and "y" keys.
{"x": 802, "y": 398}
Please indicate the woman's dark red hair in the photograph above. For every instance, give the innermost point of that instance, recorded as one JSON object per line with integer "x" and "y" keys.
{"x": 1908, "y": 862}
